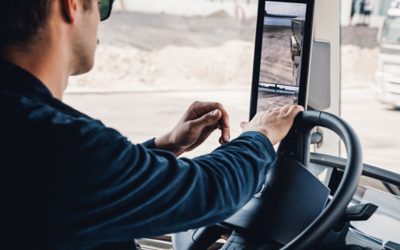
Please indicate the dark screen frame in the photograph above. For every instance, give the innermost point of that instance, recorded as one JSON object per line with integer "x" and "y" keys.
{"x": 305, "y": 61}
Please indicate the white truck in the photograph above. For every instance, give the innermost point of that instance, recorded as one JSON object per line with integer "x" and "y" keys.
{"x": 387, "y": 79}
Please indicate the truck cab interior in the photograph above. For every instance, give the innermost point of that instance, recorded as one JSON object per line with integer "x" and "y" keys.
{"x": 320, "y": 194}
{"x": 297, "y": 209}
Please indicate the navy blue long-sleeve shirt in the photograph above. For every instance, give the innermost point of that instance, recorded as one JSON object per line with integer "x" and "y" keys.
{"x": 69, "y": 182}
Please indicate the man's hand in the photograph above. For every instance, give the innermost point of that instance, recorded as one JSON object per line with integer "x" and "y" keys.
{"x": 275, "y": 123}
{"x": 196, "y": 125}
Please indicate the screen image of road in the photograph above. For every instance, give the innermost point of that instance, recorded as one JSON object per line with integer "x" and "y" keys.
{"x": 281, "y": 55}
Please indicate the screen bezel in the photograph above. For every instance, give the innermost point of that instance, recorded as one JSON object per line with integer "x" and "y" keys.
{"x": 306, "y": 58}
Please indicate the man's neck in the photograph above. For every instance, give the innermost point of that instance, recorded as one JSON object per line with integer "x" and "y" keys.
{"x": 46, "y": 63}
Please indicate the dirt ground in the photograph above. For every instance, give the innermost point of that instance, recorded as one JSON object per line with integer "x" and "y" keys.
{"x": 146, "y": 51}
{"x": 276, "y": 57}
{"x": 360, "y": 36}
{"x": 135, "y": 53}
{"x": 151, "y": 32}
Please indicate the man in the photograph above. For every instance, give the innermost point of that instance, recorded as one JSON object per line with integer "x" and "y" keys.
{"x": 69, "y": 182}
{"x": 352, "y": 12}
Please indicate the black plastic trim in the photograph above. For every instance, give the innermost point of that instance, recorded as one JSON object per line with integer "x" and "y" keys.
{"x": 306, "y": 58}
{"x": 368, "y": 170}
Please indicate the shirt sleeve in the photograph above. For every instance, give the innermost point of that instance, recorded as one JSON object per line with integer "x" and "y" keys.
{"x": 108, "y": 189}
{"x": 150, "y": 144}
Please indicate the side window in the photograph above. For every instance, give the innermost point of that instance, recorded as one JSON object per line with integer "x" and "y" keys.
{"x": 371, "y": 77}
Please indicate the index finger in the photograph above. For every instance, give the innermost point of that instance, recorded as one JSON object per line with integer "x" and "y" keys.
{"x": 201, "y": 108}
{"x": 225, "y": 125}
{"x": 285, "y": 109}
{"x": 294, "y": 111}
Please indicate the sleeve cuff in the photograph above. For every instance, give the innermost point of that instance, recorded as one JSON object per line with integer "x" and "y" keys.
{"x": 261, "y": 138}
{"x": 150, "y": 144}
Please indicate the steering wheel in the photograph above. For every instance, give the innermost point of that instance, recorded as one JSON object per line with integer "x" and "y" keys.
{"x": 294, "y": 210}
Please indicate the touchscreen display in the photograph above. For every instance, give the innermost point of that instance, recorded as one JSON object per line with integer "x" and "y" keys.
{"x": 281, "y": 54}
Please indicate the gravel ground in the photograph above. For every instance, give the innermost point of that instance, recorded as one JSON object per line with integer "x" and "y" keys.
{"x": 276, "y": 61}
{"x": 360, "y": 36}
{"x": 157, "y": 31}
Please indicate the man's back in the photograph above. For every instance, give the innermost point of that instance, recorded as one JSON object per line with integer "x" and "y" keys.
{"x": 30, "y": 153}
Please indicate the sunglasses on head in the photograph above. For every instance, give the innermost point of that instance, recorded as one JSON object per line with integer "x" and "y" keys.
{"x": 105, "y": 7}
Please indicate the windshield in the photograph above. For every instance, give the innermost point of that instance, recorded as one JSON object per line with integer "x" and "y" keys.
{"x": 161, "y": 57}
{"x": 370, "y": 81}
{"x": 391, "y": 30}
{"x": 156, "y": 57}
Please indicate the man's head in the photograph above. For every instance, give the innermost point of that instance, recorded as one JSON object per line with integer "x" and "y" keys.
{"x": 69, "y": 24}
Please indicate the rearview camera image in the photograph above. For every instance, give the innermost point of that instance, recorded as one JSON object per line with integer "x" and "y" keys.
{"x": 281, "y": 55}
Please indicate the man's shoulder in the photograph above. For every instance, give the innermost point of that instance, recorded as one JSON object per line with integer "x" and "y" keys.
{"x": 22, "y": 112}
{"x": 20, "y": 106}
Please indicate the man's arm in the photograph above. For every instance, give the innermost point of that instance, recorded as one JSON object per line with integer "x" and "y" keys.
{"x": 108, "y": 189}
{"x": 112, "y": 190}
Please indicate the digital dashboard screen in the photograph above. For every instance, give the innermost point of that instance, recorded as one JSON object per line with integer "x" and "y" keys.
{"x": 281, "y": 54}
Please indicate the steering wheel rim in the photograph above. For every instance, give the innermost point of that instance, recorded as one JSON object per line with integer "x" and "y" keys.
{"x": 295, "y": 146}
{"x": 348, "y": 184}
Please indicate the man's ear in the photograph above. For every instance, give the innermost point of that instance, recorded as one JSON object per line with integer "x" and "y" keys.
{"x": 69, "y": 9}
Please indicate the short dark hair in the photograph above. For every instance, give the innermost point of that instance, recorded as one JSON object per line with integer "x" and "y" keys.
{"x": 20, "y": 20}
